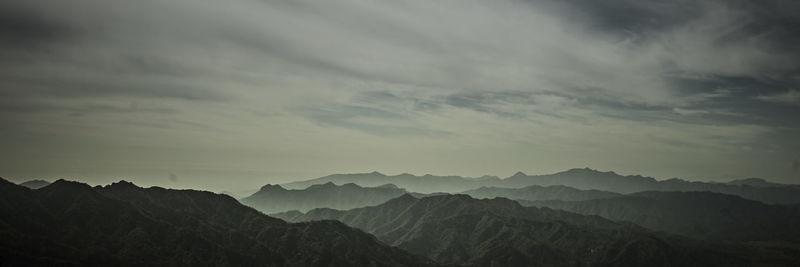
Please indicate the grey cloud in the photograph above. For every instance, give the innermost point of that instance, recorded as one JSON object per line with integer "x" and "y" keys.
{"x": 626, "y": 16}
{"x": 172, "y": 124}
{"x": 714, "y": 107}
{"x": 61, "y": 51}
{"x": 453, "y": 61}
{"x": 791, "y": 97}
{"x": 420, "y": 104}
{"x": 23, "y": 84}
{"x": 689, "y": 112}
{"x": 483, "y": 101}
{"x": 557, "y": 104}
{"x": 24, "y": 29}
{"x": 757, "y": 100}
{"x": 86, "y": 108}
{"x": 774, "y": 20}
{"x": 367, "y": 119}
{"x": 796, "y": 165}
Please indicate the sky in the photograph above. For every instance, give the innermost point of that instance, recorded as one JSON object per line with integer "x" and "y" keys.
{"x": 234, "y": 95}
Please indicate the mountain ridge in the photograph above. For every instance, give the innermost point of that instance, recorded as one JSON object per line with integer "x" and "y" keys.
{"x": 578, "y": 178}
{"x": 538, "y": 193}
{"x": 275, "y": 198}
{"x": 703, "y": 215}
{"x": 70, "y": 223}
{"x": 457, "y": 229}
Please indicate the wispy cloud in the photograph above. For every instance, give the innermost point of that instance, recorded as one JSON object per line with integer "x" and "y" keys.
{"x": 683, "y": 111}
{"x": 791, "y": 97}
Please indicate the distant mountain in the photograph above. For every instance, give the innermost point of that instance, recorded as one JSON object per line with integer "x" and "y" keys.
{"x": 456, "y": 229}
{"x": 35, "y": 184}
{"x": 583, "y": 179}
{"x": 274, "y": 198}
{"x": 587, "y": 179}
{"x": 704, "y": 215}
{"x": 756, "y": 182}
{"x": 538, "y": 193}
{"x": 72, "y": 224}
{"x": 420, "y": 184}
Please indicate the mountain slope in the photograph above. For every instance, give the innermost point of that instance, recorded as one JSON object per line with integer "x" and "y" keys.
{"x": 69, "y": 223}
{"x": 274, "y": 198}
{"x": 704, "y": 215}
{"x": 499, "y": 232}
{"x": 538, "y": 193}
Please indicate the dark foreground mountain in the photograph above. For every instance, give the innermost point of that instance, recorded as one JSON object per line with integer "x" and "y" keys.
{"x": 69, "y": 223}
{"x": 583, "y": 179}
{"x": 35, "y": 184}
{"x": 539, "y": 193}
{"x": 274, "y": 198}
{"x": 500, "y": 232}
{"x": 703, "y": 215}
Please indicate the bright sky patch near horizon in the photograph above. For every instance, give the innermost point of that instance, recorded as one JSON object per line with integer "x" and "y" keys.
{"x": 202, "y": 94}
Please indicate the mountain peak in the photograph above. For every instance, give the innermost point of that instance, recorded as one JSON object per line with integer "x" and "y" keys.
{"x": 377, "y": 173}
{"x": 581, "y": 170}
{"x": 123, "y": 184}
{"x": 758, "y": 182}
{"x": 269, "y": 187}
{"x": 350, "y": 185}
{"x": 519, "y": 174}
{"x": 62, "y": 185}
{"x": 35, "y": 184}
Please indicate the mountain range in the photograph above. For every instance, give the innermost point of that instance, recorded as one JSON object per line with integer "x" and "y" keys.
{"x": 274, "y": 198}
{"x": 420, "y": 184}
{"x": 457, "y": 229}
{"x": 584, "y": 179}
{"x": 72, "y": 224}
{"x": 544, "y": 220}
{"x": 697, "y": 214}
{"x": 539, "y": 193}
{"x": 703, "y": 215}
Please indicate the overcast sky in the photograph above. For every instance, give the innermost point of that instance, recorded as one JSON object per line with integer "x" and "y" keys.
{"x": 229, "y": 95}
